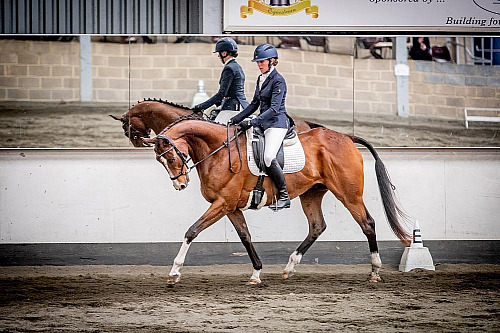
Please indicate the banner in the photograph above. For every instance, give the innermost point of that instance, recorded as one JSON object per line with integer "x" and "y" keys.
{"x": 361, "y": 15}
{"x": 279, "y": 10}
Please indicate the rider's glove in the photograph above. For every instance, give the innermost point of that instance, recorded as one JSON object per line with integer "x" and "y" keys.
{"x": 232, "y": 121}
{"x": 244, "y": 125}
{"x": 197, "y": 108}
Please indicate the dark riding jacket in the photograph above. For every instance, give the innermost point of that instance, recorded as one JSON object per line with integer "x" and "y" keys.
{"x": 231, "y": 92}
{"x": 271, "y": 99}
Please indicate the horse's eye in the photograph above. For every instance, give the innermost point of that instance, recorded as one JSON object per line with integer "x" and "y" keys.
{"x": 171, "y": 160}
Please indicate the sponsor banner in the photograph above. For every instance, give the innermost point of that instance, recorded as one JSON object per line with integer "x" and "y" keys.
{"x": 357, "y": 15}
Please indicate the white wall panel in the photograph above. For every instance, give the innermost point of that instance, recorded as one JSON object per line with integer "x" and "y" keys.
{"x": 124, "y": 195}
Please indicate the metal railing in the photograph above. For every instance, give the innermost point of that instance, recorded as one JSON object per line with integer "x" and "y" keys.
{"x": 474, "y": 50}
{"x": 486, "y": 52}
{"x": 484, "y": 118}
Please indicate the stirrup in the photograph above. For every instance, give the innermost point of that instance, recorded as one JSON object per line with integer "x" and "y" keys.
{"x": 276, "y": 206}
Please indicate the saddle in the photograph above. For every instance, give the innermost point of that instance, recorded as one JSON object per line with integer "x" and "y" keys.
{"x": 259, "y": 143}
{"x": 290, "y": 157}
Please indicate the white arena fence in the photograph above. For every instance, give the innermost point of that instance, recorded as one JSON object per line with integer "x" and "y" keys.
{"x": 125, "y": 196}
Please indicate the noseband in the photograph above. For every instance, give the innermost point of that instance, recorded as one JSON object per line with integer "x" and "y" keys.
{"x": 132, "y": 133}
{"x": 185, "y": 159}
{"x": 179, "y": 153}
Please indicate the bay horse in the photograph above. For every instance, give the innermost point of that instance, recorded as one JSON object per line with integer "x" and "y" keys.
{"x": 333, "y": 163}
{"x": 155, "y": 115}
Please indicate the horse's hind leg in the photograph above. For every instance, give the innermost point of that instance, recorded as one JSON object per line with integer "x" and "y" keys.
{"x": 372, "y": 242}
{"x": 239, "y": 223}
{"x": 311, "y": 205}
{"x": 367, "y": 224}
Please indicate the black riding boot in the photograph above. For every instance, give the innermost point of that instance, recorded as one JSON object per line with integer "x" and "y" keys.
{"x": 276, "y": 174}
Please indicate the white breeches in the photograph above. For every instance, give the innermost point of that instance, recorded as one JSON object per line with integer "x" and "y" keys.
{"x": 274, "y": 139}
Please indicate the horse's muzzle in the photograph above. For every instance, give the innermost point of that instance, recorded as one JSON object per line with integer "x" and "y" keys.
{"x": 181, "y": 185}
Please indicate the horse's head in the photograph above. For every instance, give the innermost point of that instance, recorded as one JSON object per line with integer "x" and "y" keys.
{"x": 134, "y": 129}
{"x": 173, "y": 155}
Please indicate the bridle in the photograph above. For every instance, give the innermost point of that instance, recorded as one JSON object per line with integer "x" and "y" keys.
{"x": 135, "y": 134}
{"x": 186, "y": 159}
{"x": 132, "y": 133}
{"x": 130, "y": 130}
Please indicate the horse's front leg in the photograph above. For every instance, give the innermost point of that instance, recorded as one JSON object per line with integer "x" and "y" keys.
{"x": 239, "y": 223}
{"x": 212, "y": 215}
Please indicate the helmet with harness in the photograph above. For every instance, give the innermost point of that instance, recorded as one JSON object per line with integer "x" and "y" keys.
{"x": 228, "y": 45}
{"x": 266, "y": 52}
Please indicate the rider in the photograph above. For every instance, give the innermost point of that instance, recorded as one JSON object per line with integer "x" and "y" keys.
{"x": 270, "y": 94}
{"x": 231, "y": 92}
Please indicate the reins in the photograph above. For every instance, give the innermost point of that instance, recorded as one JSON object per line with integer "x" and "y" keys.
{"x": 185, "y": 160}
{"x": 237, "y": 147}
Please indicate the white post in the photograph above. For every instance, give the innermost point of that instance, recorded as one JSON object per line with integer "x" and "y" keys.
{"x": 85, "y": 69}
{"x": 402, "y": 72}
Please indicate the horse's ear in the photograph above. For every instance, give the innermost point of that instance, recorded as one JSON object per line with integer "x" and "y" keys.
{"x": 116, "y": 118}
{"x": 150, "y": 141}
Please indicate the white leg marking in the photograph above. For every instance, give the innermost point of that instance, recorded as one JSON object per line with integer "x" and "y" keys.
{"x": 376, "y": 264}
{"x": 179, "y": 260}
{"x": 294, "y": 259}
{"x": 255, "y": 279}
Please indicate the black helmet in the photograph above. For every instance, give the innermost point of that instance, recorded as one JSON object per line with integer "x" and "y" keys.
{"x": 264, "y": 52}
{"x": 226, "y": 44}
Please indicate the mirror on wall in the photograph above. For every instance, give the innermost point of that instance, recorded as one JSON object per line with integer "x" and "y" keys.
{"x": 59, "y": 91}
{"x": 449, "y": 83}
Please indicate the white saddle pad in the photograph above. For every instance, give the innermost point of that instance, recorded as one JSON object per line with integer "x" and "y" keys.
{"x": 295, "y": 159}
{"x": 224, "y": 116}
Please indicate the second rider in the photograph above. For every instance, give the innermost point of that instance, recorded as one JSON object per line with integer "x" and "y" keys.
{"x": 231, "y": 92}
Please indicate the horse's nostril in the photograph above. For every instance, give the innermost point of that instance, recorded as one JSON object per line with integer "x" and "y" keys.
{"x": 183, "y": 186}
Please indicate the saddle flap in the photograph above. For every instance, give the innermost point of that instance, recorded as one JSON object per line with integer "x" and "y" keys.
{"x": 258, "y": 148}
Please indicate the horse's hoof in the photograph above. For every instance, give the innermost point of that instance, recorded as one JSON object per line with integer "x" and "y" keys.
{"x": 173, "y": 279}
{"x": 287, "y": 274}
{"x": 253, "y": 282}
{"x": 375, "y": 279}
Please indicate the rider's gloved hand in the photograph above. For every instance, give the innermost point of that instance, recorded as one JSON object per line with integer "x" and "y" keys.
{"x": 232, "y": 121}
{"x": 197, "y": 108}
{"x": 244, "y": 125}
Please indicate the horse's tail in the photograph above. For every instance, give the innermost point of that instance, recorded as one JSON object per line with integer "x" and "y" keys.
{"x": 392, "y": 211}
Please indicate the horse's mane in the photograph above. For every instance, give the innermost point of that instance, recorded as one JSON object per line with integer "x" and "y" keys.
{"x": 165, "y": 102}
{"x": 192, "y": 116}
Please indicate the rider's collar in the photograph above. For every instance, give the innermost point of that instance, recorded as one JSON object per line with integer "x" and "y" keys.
{"x": 264, "y": 76}
{"x": 269, "y": 71}
{"x": 227, "y": 62}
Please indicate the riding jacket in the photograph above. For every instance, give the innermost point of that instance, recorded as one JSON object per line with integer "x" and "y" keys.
{"x": 231, "y": 92}
{"x": 270, "y": 96}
